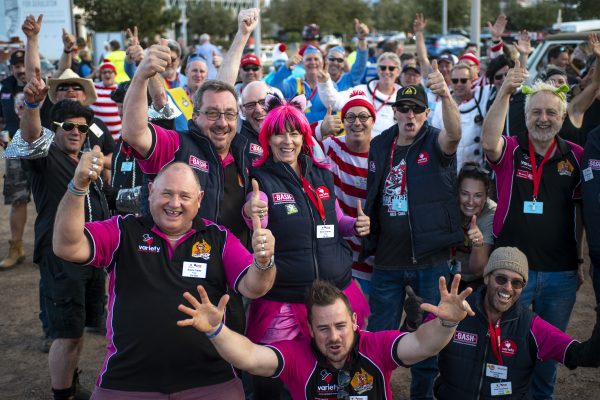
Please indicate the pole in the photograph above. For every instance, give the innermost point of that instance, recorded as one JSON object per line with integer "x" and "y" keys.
{"x": 257, "y": 31}
{"x": 476, "y": 22}
{"x": 183, "y": 10}
{"x": 444, "y": 17}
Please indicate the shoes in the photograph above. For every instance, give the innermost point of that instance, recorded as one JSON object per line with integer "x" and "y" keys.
{"x": 79, "y": 393}
{"x": 45, "y": 343}
{"x": 16, "y": 255}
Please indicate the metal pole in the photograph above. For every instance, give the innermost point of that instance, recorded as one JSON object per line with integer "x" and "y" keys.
{"x": 444, "y": 17}
{"x": 476, "y": 22}
{"x": 257, "y": 31}
{"x": 183, "y": 9}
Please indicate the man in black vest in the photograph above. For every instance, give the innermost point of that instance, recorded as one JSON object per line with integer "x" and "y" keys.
{"x": 412, "y": 201}
{"x": 494, "y": 352}
{"x": 150, "y": 261}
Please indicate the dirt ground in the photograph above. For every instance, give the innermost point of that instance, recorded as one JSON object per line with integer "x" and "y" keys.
{"x": 24, "y": 369}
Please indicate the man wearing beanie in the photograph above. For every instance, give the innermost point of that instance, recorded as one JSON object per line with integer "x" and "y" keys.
{"x": 494, "y": 352}
{"x": 104, "y": 107}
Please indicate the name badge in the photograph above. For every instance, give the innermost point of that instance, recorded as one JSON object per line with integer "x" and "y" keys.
{"x": 588, "y": 174}
{"x": 325, "y": 231}
{"x": 399, "y": 205}
{"x": 533, "y": 207}
{"x": 455, "y": 266}
{"x": 127, "y": 166}
{"x": 501, "y": 388}
{"x": 308, "y": 106}
{"x": 96, "y": 129}
{"x": 496, "y": 371}
{"x": 194, "y": 270}
{"x": 359, "y": 398}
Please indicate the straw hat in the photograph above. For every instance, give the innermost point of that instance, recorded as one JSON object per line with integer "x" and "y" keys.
{"x": 68, "y": 76}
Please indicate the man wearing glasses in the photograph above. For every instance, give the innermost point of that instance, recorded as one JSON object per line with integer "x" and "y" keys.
{"x": 414, "y": 224}
{"x": 254, "y": 112}
{"x": 341, "y": 361}
{"x": 493, "y": 353}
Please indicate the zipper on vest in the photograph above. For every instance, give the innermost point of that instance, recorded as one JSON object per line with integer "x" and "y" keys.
{"x": 221, "y": 182}
{"x": 483, "y": 365}
{"x": 412, "y": 242}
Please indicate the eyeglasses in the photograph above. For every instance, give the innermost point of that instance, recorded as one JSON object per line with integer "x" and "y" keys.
{"x": 174, "y": 60}
{"x": 390, "y": 68}
{"x": 335, "y": 59}
{"x": 461, "y": 80}
{"x": 247, "y": 68}
{"x": 499, "y": 77}
{"x": 107, "y": 71}
{"x": 515, "y": 283}
{"x": 69, "y": 126}
{"x": 405, "y": 108}
{"x": 251, "y": 105}
{"x": 65, "y": 87}
{"x": 213, "y": 115}
{"x": 362, "y": 117}
{"x": 343, "y": 380}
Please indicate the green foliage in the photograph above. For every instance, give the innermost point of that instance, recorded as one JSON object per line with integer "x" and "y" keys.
{"x": 150, "y": 16}
{"x": 538, "y": 17}
{"x": 218, "y": 21}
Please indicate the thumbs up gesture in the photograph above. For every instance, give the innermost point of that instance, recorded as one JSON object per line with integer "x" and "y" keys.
{"x": 217, "y": 60}
{"x": 157, "y": 59}
{"x": 362, "y": 226}
{"x": 255, "y": 207}
{"x": 332, "y": 124}
{"x": 436, "y": 82}
{"x": 263, "y": 243}
{"x": 89, "y": 168}
{"x": 474, "y": 234}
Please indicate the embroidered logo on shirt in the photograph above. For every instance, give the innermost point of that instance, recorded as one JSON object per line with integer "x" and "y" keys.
{"x": 372, "y": 166}
{"x": 201, "y": 250}
{"x": 326, "y": 376}
{"x": 147, "y": 247}
{"x": 423, "y": 158}
{"x": 291, "y": 209}
{"x": 594, "y": 164}
{"x": 197, "y": 163}
{"x": 323, "y": 193}
{"x": 508, "y": 348}
{"x": 148, "y": 239}
{"x": 279, "y": 198}
{"x": 5, "y": 96}
{"x": 362, "y": 381}
{"x": 256, "y": 149}
{"x": 467, "y": 338}
{"x": 565, "y": 168}
{"x": 525, "y": 163}
{"x": 524, "y": 174}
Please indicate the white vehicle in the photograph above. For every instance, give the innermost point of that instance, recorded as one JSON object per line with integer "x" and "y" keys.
{"x": 577, "y": 26}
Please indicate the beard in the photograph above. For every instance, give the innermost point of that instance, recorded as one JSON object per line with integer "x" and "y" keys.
{"x": 542, "y": 135}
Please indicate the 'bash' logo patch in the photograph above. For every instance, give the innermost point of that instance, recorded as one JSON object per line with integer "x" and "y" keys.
{"x": 467, "y": 338}
{"x": 279, "y": 198}
{"x": 256, "y": 149}
{"x": 362, "y": 381}
{"x": 201, "y": 250}
{"x": 197, "y": 163}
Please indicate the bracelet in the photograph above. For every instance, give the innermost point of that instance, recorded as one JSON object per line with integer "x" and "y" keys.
{"x": 448, "y": 324}
{"x": 215, "y": 333}
{"x": 270, "y": 265}
{"x": 77, "y": 192}
{"x": 32, "y": 106}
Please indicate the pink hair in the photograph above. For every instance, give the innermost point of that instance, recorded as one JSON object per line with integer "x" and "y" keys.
{"x": 285, "y": 118}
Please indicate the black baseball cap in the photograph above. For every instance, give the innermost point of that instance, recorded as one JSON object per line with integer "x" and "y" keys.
{"x": 414, "y": 94}
{"x": 446, "y": 57}
{"x": 17, "y": 57}
{"x": 411, "y": 67}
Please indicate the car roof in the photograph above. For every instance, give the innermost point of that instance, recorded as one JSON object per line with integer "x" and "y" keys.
{"x": 570, "y": 36}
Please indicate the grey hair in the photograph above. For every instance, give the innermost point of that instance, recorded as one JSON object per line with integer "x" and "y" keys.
{"x": 174, "y": 46}
{"x": 389, "y": 56}
{"x": 541, "y": 86}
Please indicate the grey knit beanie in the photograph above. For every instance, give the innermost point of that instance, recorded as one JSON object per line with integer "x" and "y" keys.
{"x": 509, "y": 258}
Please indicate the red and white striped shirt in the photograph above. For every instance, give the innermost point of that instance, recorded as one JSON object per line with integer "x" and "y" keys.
{"x": 106, "y": 109}
{"x": 349, "y": 171}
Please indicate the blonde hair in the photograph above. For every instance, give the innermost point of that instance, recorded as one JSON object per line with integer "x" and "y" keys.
{"x": 389, "y": 56}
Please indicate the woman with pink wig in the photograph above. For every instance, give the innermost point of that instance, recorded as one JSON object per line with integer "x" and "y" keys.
{"x": 293, "y": 194}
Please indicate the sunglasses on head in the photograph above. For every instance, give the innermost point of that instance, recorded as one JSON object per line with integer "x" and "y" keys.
{"x": 515, "y": 283}
{"x": 250, "y": 68}
{"x": 405, "y": 108}
{"x": 390, "y": 68}
{"x": 335, "y": 59}
{"x": 69, "y": 126}
{"x": 461, "y": 80}
{"x": 499, "y": 77}
{"x": 65, "y": 87}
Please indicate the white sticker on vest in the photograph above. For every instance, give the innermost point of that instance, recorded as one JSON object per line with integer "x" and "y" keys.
{"x": 194, "y": 270}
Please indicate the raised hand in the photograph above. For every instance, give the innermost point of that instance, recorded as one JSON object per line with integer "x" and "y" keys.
{"x": 420, "y": 23}
{"x": 497, "y": 30}
{"x": 322, "y": 75}
{"x": 436, "y": 82}
{"x": 514, "y": 78}
{"x": 452, "y": 307}
{"x": 134, "y": 54}
{"x": 294, "y": 60}
{"x": 156, "y": 60}
{"x": 89, "y": 168}
{"x": 361, "y": 29}
{"x": 263, "y": 242}
{"x": 332, "y": 123}
{"x": 31, "y": 27}
{"x": 594, "y": 42}
{"x": 474, "y": 234}
{"x": 523, "y": 44}
{"x": 255, "y": 206}
{"x": 69, "y": 42}
{"x": 217, "y": 60}
{"x": 247, "y": 20}
{"x": 35, "y": 91}
{"x": 205, "y": 317}
{"x": 363, "y": 222}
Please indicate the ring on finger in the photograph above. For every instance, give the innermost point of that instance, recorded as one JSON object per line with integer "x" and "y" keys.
{"x": 94, "y": 160}
{"x": 90, "y": 173}
{"x": 262, "y": 247}
{"x": 264, "y": 239}
{"x": 94, "y": 167}
{"x": 263, "y": 253}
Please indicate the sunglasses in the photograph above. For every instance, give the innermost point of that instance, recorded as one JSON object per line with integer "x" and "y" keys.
{"x": 390, "y": 68}
{"x": 335, "y": 59}
{"x": 66, "y": 87}
{"x": 499, "y": 77}
{"x": 69, "y": 126}
{"x": 251, "y": 105}
{"x": 215, "y": 115}
{"x": 461, "y": 80}
{"x": 343, "y": 381}
{"x": 405, "y": 108}
{"x": 247, "y": 68}
{"x": 515, "y": 283}
{"x": 351, "y": 118}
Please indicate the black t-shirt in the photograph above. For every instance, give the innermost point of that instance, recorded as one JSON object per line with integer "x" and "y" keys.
{"x": 10, "y": 87}
{"x": 50, "y": 176}
{"x": 591, "y": 120}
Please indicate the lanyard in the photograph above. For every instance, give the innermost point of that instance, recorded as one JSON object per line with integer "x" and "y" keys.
{"x": 495, "y": 341}
{"x": 537, "y": 172}
{"x": 126, "y": 151}
{"x": 383, "y": 103}
{"x": 314, "y": 197}
{"x": 314, "y": 92}
{"x": 402, "y": 167}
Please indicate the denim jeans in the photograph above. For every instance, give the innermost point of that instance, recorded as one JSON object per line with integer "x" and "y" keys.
{"x": 552, "y": 297}
{"x": 386, "y": 300}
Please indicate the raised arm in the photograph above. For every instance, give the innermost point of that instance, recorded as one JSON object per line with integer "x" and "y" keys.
{"x": 450, "y": 135}
{"x": 247, "y": 20}
{"x": 35, "y": 92}
{"x": 580, "y": 103}
{"x": 135, "y": 106}
{"x": 31, "y": 28}
{"x": 68, "y": 240}
{"x": 434, "y": 335}
{"x": 233, "y": 347}
{"x": 496, "y": 31}
{"x": 419, "y": 25}
{"x": 69, "y": 46}
{"x": 523, "y": 46}
{"x": 491, "y": 131}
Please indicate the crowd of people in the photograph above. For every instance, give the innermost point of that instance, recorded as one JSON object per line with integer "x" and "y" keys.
{"x": 235, "y": 236}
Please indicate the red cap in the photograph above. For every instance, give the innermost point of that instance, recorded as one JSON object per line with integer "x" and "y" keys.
{"x": 471, "y": 57}
{"x": 106, "y": 64}
{"x": 358, "y": 99}
{"x": 250, "y": 59}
